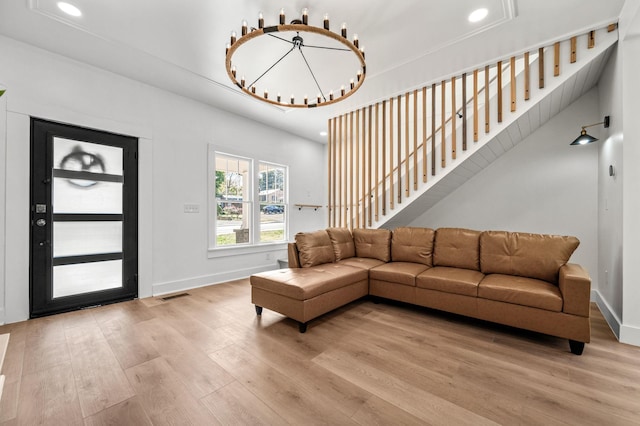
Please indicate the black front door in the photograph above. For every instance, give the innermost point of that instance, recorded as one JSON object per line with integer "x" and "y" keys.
{"x": 84, "y": 218}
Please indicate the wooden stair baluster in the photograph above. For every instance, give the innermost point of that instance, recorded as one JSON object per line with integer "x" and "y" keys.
{"x": 487, "y": 110}
{"x": 356, "y": 187}
{"x": 512, "y": 65}
{"x": 527, "y": 77}
{"x": 499, "y": 71}
{"x": 415, "y": 141}
{"x": 345, "y": 182}
{"x": 391, "y": 146}
{"x": 424, "y": 134}
{"x": 399, "y": 147}
{"x": 331, "y": 162}
{"x": 541, "y": 68}
{"x": 384, "y": 158}
{"x": 556, "y": 59}
{"x": 350, "y": 167}
{"x": 377, "y": 162}
{"x": 443, "y": 123}
{"x": 407, "y": 184}
{"x": 433, "y": 129}
{"x": 464, "y": 111}
{"x": 366, "y": 187}
{"x": 453, "y": 118}
{"x": 340, "y": 175}
{"x": 475, "y": 105}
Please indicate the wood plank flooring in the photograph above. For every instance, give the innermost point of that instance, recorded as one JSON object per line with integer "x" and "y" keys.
{"x": 207, "y": 359}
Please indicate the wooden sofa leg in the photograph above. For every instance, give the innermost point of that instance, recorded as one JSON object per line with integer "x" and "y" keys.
{"x": 576, "y": 347}
{"x": 258, "y": 310}
{"x": 302, "y": 326}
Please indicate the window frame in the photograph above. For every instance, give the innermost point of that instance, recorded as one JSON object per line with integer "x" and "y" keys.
{"x": 253, "y": 199}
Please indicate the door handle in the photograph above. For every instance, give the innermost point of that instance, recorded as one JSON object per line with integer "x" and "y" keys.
{"x": 41, "y": 222}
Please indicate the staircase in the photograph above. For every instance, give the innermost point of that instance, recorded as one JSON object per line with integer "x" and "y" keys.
{"x": 391, "y": 161}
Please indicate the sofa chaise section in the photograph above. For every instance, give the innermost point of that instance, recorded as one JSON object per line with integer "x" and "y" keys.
{"x": 318, "y": 287}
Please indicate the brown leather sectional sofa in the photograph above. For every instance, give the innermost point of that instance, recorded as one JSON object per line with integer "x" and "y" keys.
{"x": 517, "y": 279}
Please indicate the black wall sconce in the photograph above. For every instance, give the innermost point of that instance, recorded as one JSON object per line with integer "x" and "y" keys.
{"x": 585, "y": 138}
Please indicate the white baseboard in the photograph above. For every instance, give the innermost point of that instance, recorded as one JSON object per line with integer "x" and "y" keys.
{"x": 181, "y": 285}
{"x": 612, "y": 319}
{"x": 630, "y": 335}
{"x": 624, "y": 333}
{"x": 1, "y": 315}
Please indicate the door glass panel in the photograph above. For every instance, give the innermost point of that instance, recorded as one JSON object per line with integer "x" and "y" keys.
{"x": 102, "y": 197}
{"x": 81, "y": 238}
{"x": 86, "y": 277}
{"x": 86, "y": 157}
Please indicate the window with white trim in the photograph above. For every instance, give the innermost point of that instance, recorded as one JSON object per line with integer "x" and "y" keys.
{"x": 243, "y": 213}
{"x": 273, "y": 209}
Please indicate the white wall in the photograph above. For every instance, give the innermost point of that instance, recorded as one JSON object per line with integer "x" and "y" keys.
{"x": 618, "y": 295}
{"x": 541, "y": 185}
{"x": 630, "y": 47}
{"x": 175, "y": 133}
{"x": 610, "y": 196}
{"x": 3, "y": 150}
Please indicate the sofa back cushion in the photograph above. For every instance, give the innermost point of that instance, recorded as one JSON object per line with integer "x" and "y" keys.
{"x": 373, "y": 243}
{"x": 412, "y": 245}
{"x": 342, "y": 241}
{"x": 314, "y": 248}
{"x": 457, "y": 248}
{"x": 526, "y": 255}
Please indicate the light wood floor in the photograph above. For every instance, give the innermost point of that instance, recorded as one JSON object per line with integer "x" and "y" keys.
{"x": 207, "y": 359}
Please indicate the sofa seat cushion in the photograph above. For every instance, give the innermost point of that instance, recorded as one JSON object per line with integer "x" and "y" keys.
{"x": 521, "y": 291}
{"x": 306, "y": 283}
{"x": 451, "y": 280}
{"x": 361, "y": 262}
{"x": 398, "y": 272}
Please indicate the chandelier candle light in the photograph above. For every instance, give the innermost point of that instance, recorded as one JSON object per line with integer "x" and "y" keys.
{"x": 339, "y": 62}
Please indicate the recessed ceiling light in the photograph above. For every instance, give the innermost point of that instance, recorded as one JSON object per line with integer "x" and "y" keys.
{"x": 69, "y": 9}
{"x": 323, "y": 133}
{"x": 478, "y": 15}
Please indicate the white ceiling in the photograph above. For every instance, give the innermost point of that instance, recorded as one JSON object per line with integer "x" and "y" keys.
{"x": 179, "y": 45}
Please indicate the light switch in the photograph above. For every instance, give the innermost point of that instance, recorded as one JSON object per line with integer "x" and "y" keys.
{"x": 192, "y": 208}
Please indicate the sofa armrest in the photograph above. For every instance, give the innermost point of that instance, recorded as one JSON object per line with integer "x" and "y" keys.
{"x": 294, "y": 257}
{"x": 575, "y": 286}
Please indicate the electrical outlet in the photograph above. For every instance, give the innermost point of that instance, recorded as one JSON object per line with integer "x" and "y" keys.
{"x": 192, "y": 208}
{"x": 269, "y": 256}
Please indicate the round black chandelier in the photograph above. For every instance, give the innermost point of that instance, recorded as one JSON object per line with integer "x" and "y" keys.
{"x": 276, "y": 64}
